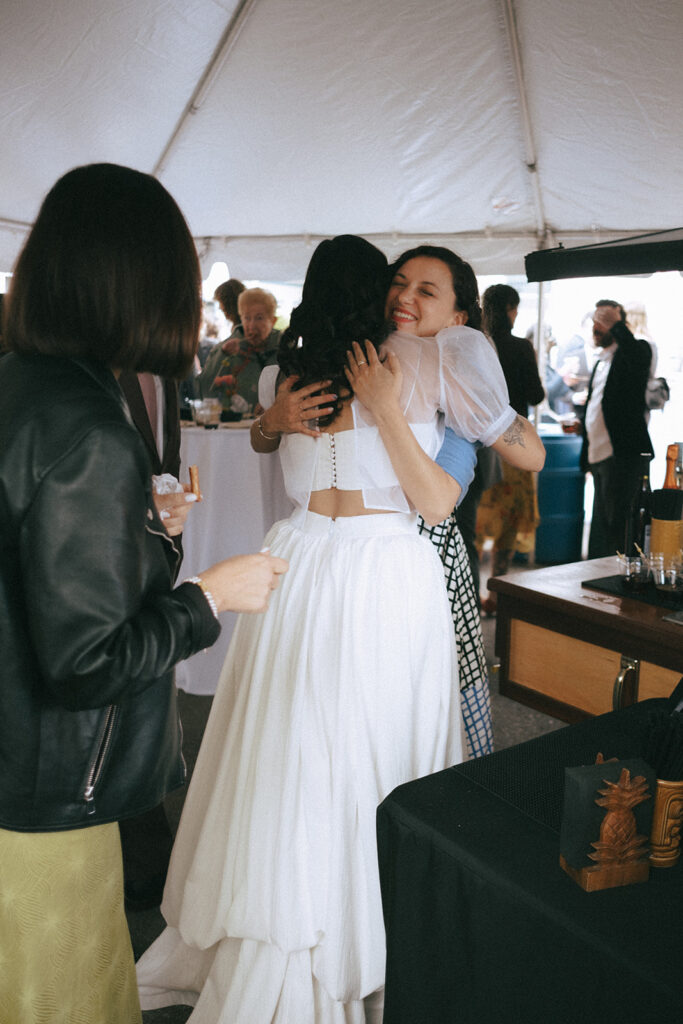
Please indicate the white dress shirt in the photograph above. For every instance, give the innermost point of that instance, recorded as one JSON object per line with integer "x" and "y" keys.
{"x": 599, "y": 444}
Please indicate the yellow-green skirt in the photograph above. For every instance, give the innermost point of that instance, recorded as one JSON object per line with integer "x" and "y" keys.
{"x": 508, "y": 512}
{"x": 65, "y": 951}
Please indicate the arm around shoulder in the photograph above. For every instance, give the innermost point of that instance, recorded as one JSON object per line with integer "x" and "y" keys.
{"x": 521, "y": 446}
{"x": 262, "y": 440}
{"x": 458, "y": 458}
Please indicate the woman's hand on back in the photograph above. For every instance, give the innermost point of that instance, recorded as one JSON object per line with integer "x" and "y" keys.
{"x": 293, "y": 412}
{"x": 376, "y": 383}
{"x": 244, "y": 583}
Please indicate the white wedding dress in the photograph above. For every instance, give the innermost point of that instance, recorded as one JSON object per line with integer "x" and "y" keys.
{"x": 345, "y": 688}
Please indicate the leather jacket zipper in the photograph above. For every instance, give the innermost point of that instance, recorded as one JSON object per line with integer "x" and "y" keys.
{"x": 97, "y": 763}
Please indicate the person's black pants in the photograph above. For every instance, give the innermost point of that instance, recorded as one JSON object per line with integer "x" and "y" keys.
{"x": 466, "y": 518}
{"x": 615, "y": 481}
{"x": 146, "y": 843}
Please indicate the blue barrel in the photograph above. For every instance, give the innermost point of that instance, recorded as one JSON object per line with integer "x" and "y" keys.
{"x": 560, "y": 501}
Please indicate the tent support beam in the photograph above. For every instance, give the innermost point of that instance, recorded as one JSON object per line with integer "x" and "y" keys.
{"x": 530, "y": 157}
{"x": 541, "y": 352}
{"x": 220, "y": 55}
{"x": 402, "y": 238}
{"x": 14, "y": 225}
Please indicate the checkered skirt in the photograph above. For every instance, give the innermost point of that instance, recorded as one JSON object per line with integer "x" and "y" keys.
{"x": 474, "y": 685}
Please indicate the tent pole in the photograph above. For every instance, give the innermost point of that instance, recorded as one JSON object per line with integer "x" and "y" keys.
{"x": 211, "y": 72}
{"x": 530, "y": 157}
{"x": 541, "y": 354}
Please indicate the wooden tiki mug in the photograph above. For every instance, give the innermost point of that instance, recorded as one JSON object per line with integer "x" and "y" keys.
{"x": 666, "y": 824}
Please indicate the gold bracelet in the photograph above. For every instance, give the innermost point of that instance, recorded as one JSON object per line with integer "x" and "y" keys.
{"x": 266, "y": 437}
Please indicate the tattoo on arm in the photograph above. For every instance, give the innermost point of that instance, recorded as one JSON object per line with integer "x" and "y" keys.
{"x": 515, "y": 433}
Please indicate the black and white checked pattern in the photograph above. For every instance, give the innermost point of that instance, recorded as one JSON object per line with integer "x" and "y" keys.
{"x": 474, "y": 684}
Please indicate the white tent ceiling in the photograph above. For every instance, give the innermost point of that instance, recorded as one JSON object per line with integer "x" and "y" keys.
{"x": 493, "y": 126}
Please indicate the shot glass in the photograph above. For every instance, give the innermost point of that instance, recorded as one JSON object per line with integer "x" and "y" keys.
{"x": 667, "y": 573}
{"x": 634, "y": 570}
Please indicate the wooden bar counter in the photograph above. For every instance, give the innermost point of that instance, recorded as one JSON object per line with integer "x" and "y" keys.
{"x": 574, "y": 652}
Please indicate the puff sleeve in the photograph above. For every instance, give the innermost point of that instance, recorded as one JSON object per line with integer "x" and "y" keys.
{"x": 474, "y": 395}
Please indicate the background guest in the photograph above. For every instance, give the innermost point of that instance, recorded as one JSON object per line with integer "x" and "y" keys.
{"x": 509, "y": 508}
{"x": 234, "y": 367}
{"x": 487, "y": 472}
{"x": 188, "y": 389}
{"x": 147, "y": 839}
{"x": 209, "y": 333}
{"x": 615, "y": 425}
{"x": 568, "y": 376}
{"x": 226, "y": 295}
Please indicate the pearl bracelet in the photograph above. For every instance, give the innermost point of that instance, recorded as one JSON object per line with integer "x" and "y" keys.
{"x": 266, "y": 437}
{"x": 207, "y": 593}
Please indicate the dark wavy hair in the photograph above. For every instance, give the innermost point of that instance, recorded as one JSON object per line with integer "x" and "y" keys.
{"x": 497, "y": 301}
{"x": 227, "y": 294}
{"x": 464, "y": 281}
{"x": 109, "y": 272}
{"x": 342, "y": 301}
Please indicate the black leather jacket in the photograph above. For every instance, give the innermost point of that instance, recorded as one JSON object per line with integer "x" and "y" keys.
{"x": 90, "y": 625}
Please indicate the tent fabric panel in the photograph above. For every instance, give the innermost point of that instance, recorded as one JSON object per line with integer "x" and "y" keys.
{"x": 84, "y": 81}
{"x": 333, "y": 116}
{"x": 396, "y": 120}
{"x": 605, "y": 87}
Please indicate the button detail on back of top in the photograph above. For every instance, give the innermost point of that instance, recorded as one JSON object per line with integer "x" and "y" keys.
{"x": 333, "y": 461}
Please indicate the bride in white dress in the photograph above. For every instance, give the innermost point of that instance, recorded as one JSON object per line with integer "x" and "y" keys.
{"x": 348, "y": 685}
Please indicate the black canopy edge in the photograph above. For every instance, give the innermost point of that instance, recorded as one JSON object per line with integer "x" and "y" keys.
{"x": 638, "y": 254}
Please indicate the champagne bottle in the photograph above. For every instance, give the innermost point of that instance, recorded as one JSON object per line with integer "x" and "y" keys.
{"x": 670, "y": 481}
{"x": 637, "y": 540}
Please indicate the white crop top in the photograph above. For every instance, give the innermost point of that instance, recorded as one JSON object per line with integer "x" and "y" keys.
{"x": 335, "y": 464}
{"x": 452, "y": 380}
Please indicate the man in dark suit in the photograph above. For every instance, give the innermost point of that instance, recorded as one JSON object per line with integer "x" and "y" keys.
{"x": 146, "y": 840}
{"x": 615, "y": 425}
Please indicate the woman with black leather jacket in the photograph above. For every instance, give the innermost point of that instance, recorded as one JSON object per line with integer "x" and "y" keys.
{"x": 91, "y": 625}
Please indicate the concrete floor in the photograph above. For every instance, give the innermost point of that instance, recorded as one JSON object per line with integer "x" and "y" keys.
{"x": 512, "y": 723}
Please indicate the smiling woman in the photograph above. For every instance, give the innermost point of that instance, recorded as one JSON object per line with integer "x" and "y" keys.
{"x": 422, "y": 298}
{"x": 432, "y": 291}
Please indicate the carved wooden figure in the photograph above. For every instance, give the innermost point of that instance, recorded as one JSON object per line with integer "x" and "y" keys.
{"x": 667, "y": 824}
{"x": 620, "y": 853}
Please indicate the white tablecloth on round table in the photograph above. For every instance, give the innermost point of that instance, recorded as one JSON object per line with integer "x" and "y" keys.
{"x": 243, "y": 495}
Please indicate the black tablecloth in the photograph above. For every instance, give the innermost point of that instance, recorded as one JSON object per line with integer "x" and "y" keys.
{"x": 484, "y": 927}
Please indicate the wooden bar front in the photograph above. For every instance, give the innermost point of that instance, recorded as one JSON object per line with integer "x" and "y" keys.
{"x": 565, "y": 649}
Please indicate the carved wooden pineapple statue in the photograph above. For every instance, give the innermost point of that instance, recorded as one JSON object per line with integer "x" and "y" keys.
{"x": 619, "y": 842}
